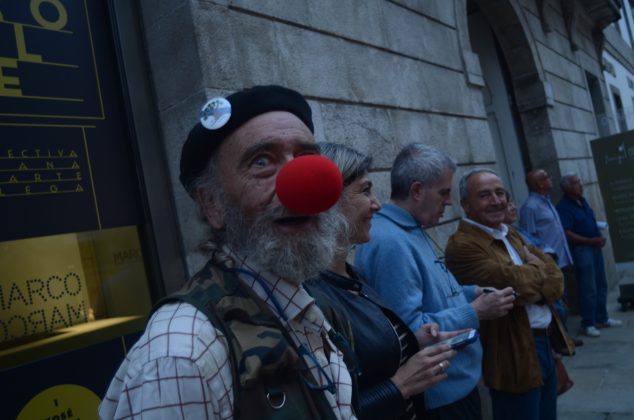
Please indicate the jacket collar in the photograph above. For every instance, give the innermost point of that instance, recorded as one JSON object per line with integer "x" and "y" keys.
{"x": 398, "y": 216}
{"x": 539, "y": 196}
{"x": 472, "y": 230}
{"x": 348, "y": 283}
{"x": 582, "y": 200}
{"x": 495, "y": 233}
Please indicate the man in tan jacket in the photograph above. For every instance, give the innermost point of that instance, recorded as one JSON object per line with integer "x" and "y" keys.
{"x": 518, "y": 366}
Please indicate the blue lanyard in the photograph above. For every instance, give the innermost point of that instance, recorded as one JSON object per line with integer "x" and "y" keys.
{"x": 302, "y": 349}
{"x": 264, "y": 286}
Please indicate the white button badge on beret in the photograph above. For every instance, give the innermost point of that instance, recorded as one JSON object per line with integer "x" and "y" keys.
{"x": 215, "y": 113}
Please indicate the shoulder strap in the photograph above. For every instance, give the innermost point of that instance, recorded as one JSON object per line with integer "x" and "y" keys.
{"x": 204, "y": 293}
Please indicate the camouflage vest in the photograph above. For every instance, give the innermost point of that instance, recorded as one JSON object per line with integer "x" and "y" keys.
{"x": 267, "y": 371}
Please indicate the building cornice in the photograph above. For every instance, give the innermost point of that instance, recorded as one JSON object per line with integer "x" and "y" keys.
{"x": 602, "y": 12}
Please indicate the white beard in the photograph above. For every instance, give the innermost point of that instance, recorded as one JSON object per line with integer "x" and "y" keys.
{"x": 294, "y": 257}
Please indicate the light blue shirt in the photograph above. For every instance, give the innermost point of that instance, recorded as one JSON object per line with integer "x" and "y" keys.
{"x": 539, "y": 218}
{"x": 401, "y": 265}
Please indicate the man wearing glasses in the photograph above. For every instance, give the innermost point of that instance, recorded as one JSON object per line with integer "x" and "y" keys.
{"x": 405, "y": 266}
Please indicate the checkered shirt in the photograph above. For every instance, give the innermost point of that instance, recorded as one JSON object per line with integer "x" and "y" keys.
{"x": 179, "y": 368}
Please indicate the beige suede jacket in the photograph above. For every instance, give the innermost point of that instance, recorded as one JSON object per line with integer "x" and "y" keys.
{"x": 510, "y": 361}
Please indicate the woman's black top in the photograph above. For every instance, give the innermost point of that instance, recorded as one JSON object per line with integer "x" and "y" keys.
{"x": 380, "y": 340}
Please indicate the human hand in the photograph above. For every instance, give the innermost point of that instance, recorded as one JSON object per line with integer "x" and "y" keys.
{"x": 493, "y": 304}
{"x": 423, "y": 370}
{"x": 599, "y": 242}
{"x": 528, "y": 256}
{"x": 429, "y": 334}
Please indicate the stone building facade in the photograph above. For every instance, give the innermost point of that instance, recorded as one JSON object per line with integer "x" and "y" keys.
{"x": 511, "y": 85}
{"x": 618, "y": 63}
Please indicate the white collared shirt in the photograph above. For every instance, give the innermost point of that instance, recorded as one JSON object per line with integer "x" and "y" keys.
{"x": 539, "y": 316}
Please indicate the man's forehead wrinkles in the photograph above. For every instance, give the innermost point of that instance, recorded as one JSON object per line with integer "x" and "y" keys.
{"x": 270, "y": 142}
{"x": 258, "y": 146}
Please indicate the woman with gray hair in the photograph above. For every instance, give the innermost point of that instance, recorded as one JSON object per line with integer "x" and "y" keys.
{"x": 389, "y": 371}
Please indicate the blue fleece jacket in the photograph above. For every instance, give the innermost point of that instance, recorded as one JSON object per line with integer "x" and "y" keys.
{"x": 399, "y": 262}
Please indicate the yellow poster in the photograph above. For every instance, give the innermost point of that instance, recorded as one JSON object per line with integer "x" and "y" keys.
{"x": 62, "y": 402}
{"x": 42, "y": 286}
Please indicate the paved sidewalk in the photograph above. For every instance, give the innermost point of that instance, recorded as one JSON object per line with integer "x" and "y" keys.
{"x": 602, "y": 370}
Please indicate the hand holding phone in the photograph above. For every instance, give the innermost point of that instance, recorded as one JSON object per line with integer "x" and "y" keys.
{"x": 486, "y": 290}
{"x": 461, "y": 340}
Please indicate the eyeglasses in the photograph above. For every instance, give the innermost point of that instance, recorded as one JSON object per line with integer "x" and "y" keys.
{"x": 454, "y": 291}
{"x": 350, "y": 358}
{"x": 329, "y": 386}
{"x": 440, "y": 261}
{"x": 301, "y": 349}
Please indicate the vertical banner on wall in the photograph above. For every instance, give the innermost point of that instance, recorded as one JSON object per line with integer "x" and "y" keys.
{"x": 614, "y": 162}
{"x": 73, "y": 290}
{"x": 65, "y": 158}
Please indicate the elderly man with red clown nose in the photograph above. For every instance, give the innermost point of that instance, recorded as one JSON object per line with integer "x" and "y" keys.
{"x": 243, "y": 338}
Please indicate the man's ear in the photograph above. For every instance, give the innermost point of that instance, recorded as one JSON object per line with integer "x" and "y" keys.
{"x": 465, "y": 207}
{"x": 416, "y": 190}
{"x": 213, "y": 211}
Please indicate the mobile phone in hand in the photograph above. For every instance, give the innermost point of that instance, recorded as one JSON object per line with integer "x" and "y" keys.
{"x": 516, "y": 294}
{"x": 461, "y": 340}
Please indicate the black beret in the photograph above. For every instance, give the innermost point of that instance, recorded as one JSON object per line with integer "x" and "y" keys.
{"x": 245, "y": 104}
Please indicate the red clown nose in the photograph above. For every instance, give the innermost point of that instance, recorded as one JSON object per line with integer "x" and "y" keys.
{"x": 309, "y": 184}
